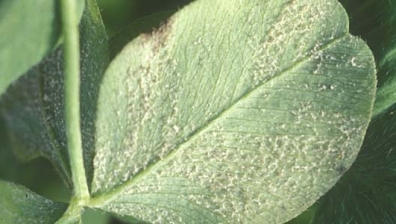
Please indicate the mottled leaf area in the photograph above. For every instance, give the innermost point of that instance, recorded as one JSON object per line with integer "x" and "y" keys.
{"x": 232, "y": 112}
{"x": 33, "y": 107}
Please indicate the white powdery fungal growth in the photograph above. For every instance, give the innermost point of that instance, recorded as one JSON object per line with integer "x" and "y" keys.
{"x": 234, "y": 112}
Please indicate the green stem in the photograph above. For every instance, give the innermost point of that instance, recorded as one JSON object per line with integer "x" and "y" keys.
{"x": 72, "y": 214}
{"x": 72, "y": 98}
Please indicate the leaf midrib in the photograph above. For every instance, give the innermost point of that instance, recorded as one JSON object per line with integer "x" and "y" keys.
{"x": 107, "y": 197}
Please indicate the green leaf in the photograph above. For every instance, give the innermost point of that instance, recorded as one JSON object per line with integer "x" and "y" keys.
{"x": 366, "y": 193}
{"x": 91, "y": 216}
{"x": 129, "y": 219}
{"x": 386, "y": 94}
{"x": 305, "y": 217}
{"x": 29, "y": 31}
{"x": 20, "y": 205}
{"x": 374, "y": 21}
{"x": 33, "y": 107}
{"x": 232, "y": 112}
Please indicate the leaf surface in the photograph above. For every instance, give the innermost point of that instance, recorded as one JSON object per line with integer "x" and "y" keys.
{"x": 374, "y": 21}
{"x": 366, "y": 193}
{"x": 20, "y": 205}
{"x": 33, "y": 108}
{"x": 232, "y": 112}
{"x": 29, "y": 31}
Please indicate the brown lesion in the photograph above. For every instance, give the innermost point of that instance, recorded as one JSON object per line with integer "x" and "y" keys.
{"x": 158, "y": 37}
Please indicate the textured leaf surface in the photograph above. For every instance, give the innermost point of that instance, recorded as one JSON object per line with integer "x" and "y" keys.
{"x": 29, "y": 31}
{"x": 233, "y": 112}
{"x": 20, "y": 205}
{"x": 366, "y": 193}
{"x": 33, "y": 107}
{"x": 374, "y": 21}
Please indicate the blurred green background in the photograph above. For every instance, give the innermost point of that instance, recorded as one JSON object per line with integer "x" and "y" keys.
{"x": 118, "y": 15}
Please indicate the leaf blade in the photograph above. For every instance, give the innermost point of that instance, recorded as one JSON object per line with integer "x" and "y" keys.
{"x": 365, "y": 194}
{"x": 179, "y": 114}
{"x": 24, "y": 41}
{"x": 20, "y": 205}
{"x": 35, "y": 103}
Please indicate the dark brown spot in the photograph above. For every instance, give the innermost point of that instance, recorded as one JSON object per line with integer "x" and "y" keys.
{"x": 160, "y": 36}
